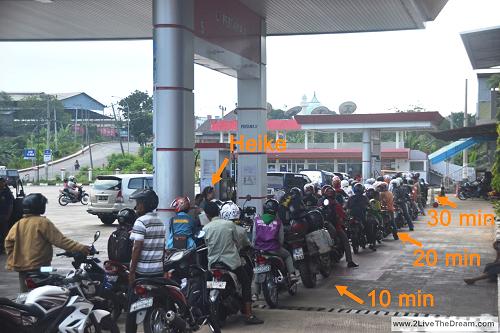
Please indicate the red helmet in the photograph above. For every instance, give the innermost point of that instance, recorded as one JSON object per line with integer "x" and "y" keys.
{"x": 336, "y": 182}
{"x": 327, "y": 191}
{"x": 181, "y": 204}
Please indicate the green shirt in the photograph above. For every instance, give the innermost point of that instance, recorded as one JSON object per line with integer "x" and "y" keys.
{"x": 221, "y": 239}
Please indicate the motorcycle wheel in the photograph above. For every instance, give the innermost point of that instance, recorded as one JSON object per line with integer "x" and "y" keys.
{"x": 85, "y": 199}
{"x": 106, "y": 325}
{"x": 156, "y": 321}
{"x": 270, "y": 290}
{"x": 325, "y": 266}
{"x": 461, "y": 196}
{"x": 114, "y": 307}
{"x": 307, "y": 277}
{"x": 63, "y": 200}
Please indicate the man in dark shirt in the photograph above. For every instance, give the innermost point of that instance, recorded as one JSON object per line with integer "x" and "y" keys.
{"x": 357, "y": 205}
{"x": 6, "y": 207}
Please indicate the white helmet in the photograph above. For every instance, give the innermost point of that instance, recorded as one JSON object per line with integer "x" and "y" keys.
{"x": 400, "y": 180}
{"x": 71, "y": 178}
{"x": 344, "y": 183}
{"x": 394, "y": 182}
{"x": 230, "y": 211}
{"x": 370, "y": 181}
{"x": 368, "y": 186}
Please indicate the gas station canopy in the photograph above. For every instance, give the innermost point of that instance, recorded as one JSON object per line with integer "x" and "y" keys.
{"x": 132, "y": 19}
{"x": 483, "y": 47}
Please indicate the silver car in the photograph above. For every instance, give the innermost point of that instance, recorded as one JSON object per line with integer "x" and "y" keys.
{"x": 110, "y": 194}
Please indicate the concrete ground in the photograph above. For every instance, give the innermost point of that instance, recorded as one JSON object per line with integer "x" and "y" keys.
{"x": 322, "y": 309}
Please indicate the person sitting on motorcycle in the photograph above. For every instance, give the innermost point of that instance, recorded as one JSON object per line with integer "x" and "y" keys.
{"x": 387, "y": 202}
{"x": 336, "y": 216}
{"x": 340, "y": 195}
{"x": 310, "y": 197}
{"x": 182, "y": 225}
{"x": 73, "y": 187}
{"x": 221, "y": 239}
{"x": 347, "y": 189}
{"x": 401, "y": 198}
{"x": 296, "y": 206}
{"x": 269, "y": 235}
{"x": 357, "y": 205}
{"x": 29, "y": 242}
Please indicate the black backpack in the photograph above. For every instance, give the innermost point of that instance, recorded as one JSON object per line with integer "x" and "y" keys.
{"x": 120, "y": 245}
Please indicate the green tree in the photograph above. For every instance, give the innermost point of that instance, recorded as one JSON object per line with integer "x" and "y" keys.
{"x": 138, "y": 107}
{"x": 495, "y": 83}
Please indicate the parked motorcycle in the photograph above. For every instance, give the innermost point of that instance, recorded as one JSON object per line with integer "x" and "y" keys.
{"x": 271, "y": 275}
{"x": 399, "y": 216}
{"x": 471, "y": 190}
{"x": 55, "y": 309}
{"x": 355, "y": 232}
{"x": 65, "y": 197}
{"x": 387, "y": 227}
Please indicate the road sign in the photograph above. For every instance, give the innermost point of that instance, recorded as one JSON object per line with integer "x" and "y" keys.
{"x": 29, "y": 153}
{"x": 47, "y": 155}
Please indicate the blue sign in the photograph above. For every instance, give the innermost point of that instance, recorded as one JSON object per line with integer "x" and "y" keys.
{"x": 47, "y": 152}
{"x": 47, "y": 155}
{"x": 29, "y": 153}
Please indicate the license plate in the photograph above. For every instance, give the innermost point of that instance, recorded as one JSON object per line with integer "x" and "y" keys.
{"x": 216, "y": 284}
{"x": 262, "y": 269}
{"x": 142, "y": 304}
{"x": 102, "y": 198}
{"x": 298, "y": 254}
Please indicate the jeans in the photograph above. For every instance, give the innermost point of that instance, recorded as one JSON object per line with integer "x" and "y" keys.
{"x": 246, "y": 283}
{"x": 285, "y": 255}
{"x": 345, "y": 243}
{"x": 404, "y": 208}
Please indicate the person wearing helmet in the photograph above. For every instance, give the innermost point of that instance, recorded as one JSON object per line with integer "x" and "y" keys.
{"x": 231, "y": 212}
{"x": 295, "y": 206}
{"x": 336, "y": 216}
{"x": 387, "y": 202}
{"x": 182, "y": 227}
{"x": 29, "y": 242}
{"x": 357, "y": 205}
{"x": 310, "y": 197}
{"x": 269, "y": 235}
{"x": 370, "y": 181}
{"x": 401, "y": 198}
{"x": 417, "y": 193}
{"x": 222, "y": 245}
{"x": 340, "y": 195}
{"x": 148, "y": 234}
{"x": 72, "y": 186}
{"x": 344, "y": 184}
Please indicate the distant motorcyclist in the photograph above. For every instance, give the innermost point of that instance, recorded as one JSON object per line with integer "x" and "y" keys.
{"x": 310, "y": 197}
{"x": 73, "y": 187}
{"x": 347, "y": 189}
{"x": 401, "y": 199}
{"x": 336, "y": 216}
{"x": 357, "y": 205}
{"x": 182, "y": 226}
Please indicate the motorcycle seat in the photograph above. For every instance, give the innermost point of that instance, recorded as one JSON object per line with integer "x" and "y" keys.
{"x": 158, "y": 281}
{"x": 32, "y": 309}
{"x": 220, "y": 265}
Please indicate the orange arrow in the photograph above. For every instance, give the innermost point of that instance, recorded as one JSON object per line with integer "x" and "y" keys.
{"x": 343, "y": 291}
{"x": 445, "y": 201}
{"x": 405, "y": 237}
{"x": 216, "y": 176}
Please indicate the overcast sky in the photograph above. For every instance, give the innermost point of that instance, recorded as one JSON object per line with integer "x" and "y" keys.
{"x": 378, "y": 71}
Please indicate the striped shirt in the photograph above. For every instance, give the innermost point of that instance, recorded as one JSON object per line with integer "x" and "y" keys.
{"x": 151, "y": 230}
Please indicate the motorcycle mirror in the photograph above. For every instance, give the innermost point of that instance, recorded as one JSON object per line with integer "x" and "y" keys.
{"x": 97, "y": 235}
{"x": 326, "y": 202}
{"x": 248, "y": 197}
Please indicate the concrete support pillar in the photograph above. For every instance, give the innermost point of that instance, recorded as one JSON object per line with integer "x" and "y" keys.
{"x": 306, "y": 140}
{"x": 173, "y": 84}
{"x": 335, "y": 141}
{"x": 221, "y": 137}
{"x": 252, "y": 110}
{"x": 312, "y": 137}
{"x": 376, "y": 152}
{"x": 366, "y": 155}
{"x": 402, "y": 139}
{"x": 341, "y": 139}
{"x": 397, "y": 139}
{"x": 277, "y": 136}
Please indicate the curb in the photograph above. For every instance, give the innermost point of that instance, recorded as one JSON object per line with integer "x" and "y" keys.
{"x": 78, "y": 153}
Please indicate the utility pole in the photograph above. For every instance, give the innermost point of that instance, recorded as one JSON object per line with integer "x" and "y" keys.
{"x": 76, "y": 120}
{"x": 48, "y": 139}
{"x": 465, "y": 158}
{"x": 118, "y": 128}
{"x": 89, "y": 143}
{"x": 55, "y": 130}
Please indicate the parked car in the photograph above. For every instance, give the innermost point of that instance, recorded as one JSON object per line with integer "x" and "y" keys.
{"x": 285, "y": 181}
{"x": 321, "y": 177}
{"x": 110, "y": 194}
{"x": 10, "y": 175}
{"x": 342, "y": 175}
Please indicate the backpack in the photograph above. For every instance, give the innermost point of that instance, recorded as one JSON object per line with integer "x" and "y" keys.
{"x": 120, "y": 245}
